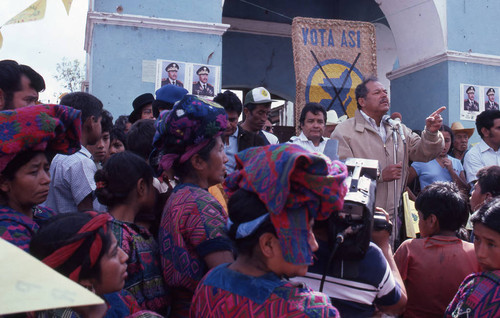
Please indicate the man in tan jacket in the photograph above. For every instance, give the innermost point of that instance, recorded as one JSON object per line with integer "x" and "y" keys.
{"x": 368, "y": 136}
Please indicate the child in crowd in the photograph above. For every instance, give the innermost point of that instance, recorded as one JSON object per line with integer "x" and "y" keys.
{"x": 100, "y": 149}
{"x": 125, "y": 185}
{"x": 82, "y": 247}
{"x": 273, "y": 202}
{"x": 72, "y": 184}
{"x": 30, "y": 136}
{"x": 478, "y": 293}
{"x": 117, "y": 142}
{"x": 433, "y": 266}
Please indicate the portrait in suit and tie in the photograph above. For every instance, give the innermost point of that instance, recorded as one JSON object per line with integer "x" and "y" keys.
{"x": 201, "y": 86}
{"x": 491, "y": 100}
{"x": 172, "y": 73}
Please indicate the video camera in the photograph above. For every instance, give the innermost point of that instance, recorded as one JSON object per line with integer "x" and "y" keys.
{"x": 351, "y": 228}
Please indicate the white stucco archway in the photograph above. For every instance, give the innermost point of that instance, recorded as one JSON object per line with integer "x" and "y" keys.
{"x": 419, "y": 28}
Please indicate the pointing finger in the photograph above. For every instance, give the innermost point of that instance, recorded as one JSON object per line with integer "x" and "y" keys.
{"x": 437, "y": 112}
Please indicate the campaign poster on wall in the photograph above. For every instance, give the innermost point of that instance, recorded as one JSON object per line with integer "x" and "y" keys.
{"x": 331, "y": 57}
{"x": 476, "y": 99}
{"x": 198, "y": 79}
{"x": 171, "y": 72}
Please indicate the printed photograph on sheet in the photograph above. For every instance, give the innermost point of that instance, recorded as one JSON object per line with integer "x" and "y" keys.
{"x": 491, "y": 98}
{"x": 172, "y": 72}
{"x": 205, "y": 80}
{"x": 472, "y": 101}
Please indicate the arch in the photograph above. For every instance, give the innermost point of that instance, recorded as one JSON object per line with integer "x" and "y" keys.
{"x": 419, "y": 28}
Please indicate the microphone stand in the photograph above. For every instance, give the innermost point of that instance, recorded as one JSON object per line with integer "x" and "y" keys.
{"x": 395, "y": 233}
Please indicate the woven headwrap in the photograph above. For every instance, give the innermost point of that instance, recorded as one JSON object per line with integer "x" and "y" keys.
{"x": 186, "y": 129}
{"x": 294, "y": 184}
{"x": 61, "y": 255}
{"x": 41, "y": 127}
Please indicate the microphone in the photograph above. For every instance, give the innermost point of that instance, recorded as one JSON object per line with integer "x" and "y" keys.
{"x": 395, "y": 122}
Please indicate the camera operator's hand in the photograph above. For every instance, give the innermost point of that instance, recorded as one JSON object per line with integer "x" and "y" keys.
{"x": 392, "y": 172}
{"x": 381, "y": 238}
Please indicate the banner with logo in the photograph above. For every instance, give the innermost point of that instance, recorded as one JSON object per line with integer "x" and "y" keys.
{"x": 331, "y": 58}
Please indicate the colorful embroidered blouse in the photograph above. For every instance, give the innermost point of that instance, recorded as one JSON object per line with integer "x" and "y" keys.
{"x": 120, "y": 304}
{"x": 227, "y": 293}
{"x": 478, "y": 296}
{"x": 144, "y": 281}
{"x": 192, "y": 226}
{"x": 18, "y": 229}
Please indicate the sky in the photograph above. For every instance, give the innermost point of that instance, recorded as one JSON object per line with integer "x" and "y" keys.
{"x": 44, "y": 43}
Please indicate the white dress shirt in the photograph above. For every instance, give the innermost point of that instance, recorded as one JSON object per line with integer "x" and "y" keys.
{"x": 479, "y": 156}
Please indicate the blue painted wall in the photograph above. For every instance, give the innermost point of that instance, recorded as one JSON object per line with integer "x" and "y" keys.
{"x": 117, "y": 77}
{"x": 284, "y": 11}
{"x": 118, "y": 51}
{"x": 473, "y": 26}
{"x": 469, "y": 73}
{"x": 418, "y": 94}
{"x": 194, "y": 10}
{"x": 253, "y": 60}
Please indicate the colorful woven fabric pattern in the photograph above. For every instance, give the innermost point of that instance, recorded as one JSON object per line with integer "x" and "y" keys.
{"x": 478, "y": 296}
{"x": 145, "y": 280}
{"x": 192, "y": 226}
{"x": 18, "y": 229}
{"x": 225, "y": 293}
{"x": 291, "y": 180}
{"x": 41, "y": 127}
{"x": 190, "y": 126}
{"x": 120, "y": 304}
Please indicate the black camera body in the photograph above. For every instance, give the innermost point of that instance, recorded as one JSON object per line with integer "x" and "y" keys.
{"x": 354, "y": 223}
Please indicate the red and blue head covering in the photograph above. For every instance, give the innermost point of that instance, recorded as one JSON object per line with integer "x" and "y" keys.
{"x": 89, "y": 233}
{"x": 187, "y": 128}
{"x": 53, "y": 128}
{"x": 294, "y": 184}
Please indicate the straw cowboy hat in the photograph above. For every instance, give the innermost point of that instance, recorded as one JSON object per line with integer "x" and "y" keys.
{"x": 457, "y": 127}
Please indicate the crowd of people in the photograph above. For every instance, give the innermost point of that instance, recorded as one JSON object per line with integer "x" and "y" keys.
{"x": 180, "y": 210}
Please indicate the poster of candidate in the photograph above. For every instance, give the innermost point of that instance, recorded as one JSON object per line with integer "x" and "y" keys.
{"x": 171, "y": 72}
{"x": 205, "y": 80}
{"x": 491, "y": 98}
{"x": 472, "y": 101}
{"x": 331, "y": 58}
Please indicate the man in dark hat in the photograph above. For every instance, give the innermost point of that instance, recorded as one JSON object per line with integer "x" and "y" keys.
{"x": 172, "y": 70}
{"x": 202, "y": 87}
{"x": 490, "y": 103}
{"x": 470, "y": 104}
{"x": 143, "y": 108}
